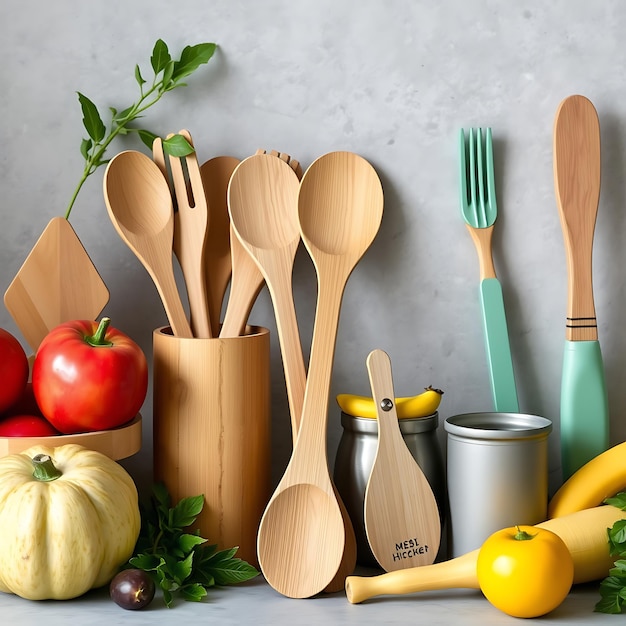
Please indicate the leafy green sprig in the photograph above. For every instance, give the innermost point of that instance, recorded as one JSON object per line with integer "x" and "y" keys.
{"x": 183, "y": 563}
{"x": 613, "y": 587}
{"x": 168, "y": 75}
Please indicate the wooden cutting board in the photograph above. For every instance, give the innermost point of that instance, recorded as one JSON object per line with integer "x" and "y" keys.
{"x": 57, "y": 283}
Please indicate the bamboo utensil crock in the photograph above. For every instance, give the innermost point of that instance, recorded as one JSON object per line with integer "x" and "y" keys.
{"x": 212, "y": 430}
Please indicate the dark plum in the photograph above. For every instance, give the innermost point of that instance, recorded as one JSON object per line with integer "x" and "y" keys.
{"x": 132, "y": 589}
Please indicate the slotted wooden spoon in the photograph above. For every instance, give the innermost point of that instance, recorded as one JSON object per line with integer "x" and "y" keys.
{"x": 301, "y": 538}
{"x": 140, "y": 206}
{"x": 400, "y": 506}
{"x": 191, "y": 223}
{"x": 57, "y": 283}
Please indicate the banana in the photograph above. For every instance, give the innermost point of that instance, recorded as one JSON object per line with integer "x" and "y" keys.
{"x": 425, "y": 403}
{"x": 600, "y": 478}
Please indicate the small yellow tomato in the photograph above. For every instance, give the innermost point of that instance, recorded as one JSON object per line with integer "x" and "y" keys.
{"x": 525, "y": 571}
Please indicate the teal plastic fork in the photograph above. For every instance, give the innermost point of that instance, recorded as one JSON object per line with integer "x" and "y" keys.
{"x": 479, "y": 209}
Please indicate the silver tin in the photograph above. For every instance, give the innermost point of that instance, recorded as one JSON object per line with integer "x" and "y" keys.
{"x": 355, "y": 458}
{"x": 497, "y": 468}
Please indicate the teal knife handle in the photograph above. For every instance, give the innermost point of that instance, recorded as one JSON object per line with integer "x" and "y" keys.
{"x": 503, "y": 387}
{"x": 584, "y": 405}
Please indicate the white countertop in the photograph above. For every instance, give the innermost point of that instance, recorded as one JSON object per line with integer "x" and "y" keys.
{"x": 256, "y": 602}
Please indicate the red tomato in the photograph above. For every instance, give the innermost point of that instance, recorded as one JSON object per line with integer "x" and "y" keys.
{"x": 89, "y": 376}
{"x": 13, "y": 370}
{"x": 26, "y": 403}
{"x": 26, "y": 426}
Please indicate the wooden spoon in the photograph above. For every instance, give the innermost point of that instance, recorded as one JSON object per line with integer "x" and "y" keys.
{"x": 301, "y": 538}
{"x": 400, "y": 506}
{"x": 263, "y": 202}
{"x": 140, "y": 206}
{"x": 216, "y": 173}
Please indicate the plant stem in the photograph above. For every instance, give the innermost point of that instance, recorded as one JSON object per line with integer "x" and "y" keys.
{"x": 99, "y": 149}
{"x": 44, "y": 469}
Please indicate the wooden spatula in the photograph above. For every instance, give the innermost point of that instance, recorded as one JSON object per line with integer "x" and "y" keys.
{"x": 584, "y": 402}
{"x": 401, "y": 516}
{"x": 57, "y": 283}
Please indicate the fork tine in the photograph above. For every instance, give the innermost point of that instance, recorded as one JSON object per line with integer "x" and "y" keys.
{"x": 472, "y": 175}
{"x": 463, "y": 170}
{"x": 491, "y": 206}
{"x": 481, "y": 200}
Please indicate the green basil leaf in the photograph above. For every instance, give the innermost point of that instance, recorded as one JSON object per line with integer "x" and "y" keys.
{"x": 125, "y": 116}
{"x": 181, "y": 570}
{"x": 233, "y": 571}
{"x": 191, "y": 58}
{"x": 187, "y": 542}
{"x": 202, "y": 577}
{"x": 168, "y": 71}
{"x": 177, "y": 146}
{"x": 611, "y": 599}
{"x": 160, "y": 56}
{"x": 224, "y": 555}
{"x": 618, "y": 500}
{"x": 167, "y": 598}
{"x": 91, "y": 119}
{"x": 146, "y": 562}
{"x": 85, "y": 146}
{"x": 138, "y": 76}
{"x": 185, "y": 512}
{"x": 617, "y": 537}
{"x": 147, "y": 137}
{"x": 193, "y": 593}
{"x": 161, "y": 495}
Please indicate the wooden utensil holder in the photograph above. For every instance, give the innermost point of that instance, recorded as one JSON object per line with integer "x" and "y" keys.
{"x": 212, "y": 430}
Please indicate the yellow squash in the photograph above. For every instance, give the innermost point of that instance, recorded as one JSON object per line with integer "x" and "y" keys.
{"x": 69, "y": 518}
{"x": 583, "y": 532}
{"x": 592, "y": 484}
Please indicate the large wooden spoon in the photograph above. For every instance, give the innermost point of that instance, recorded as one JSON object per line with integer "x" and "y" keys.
{"x": 301, "y": 538}
{"x": 263, "y": 201}
{"x": 140, "y": 206}
{"x": 400, "y": 506}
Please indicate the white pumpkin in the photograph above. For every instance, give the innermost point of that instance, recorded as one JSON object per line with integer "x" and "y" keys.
{"x": 61, "y": 536}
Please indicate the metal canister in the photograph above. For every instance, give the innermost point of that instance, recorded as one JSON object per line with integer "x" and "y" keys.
{"x": 355, "y": 458}
{"x": 497, "y": 474}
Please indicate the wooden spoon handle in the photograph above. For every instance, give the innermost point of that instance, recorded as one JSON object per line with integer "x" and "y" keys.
{"x": 246, "y": 283}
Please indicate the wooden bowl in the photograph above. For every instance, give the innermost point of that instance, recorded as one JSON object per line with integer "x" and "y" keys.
{"x": 117, "y": 443}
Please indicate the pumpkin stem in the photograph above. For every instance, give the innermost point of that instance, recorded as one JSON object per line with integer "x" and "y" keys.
{"x": 98, "y": 338}
{"x": 45, "y": 469}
